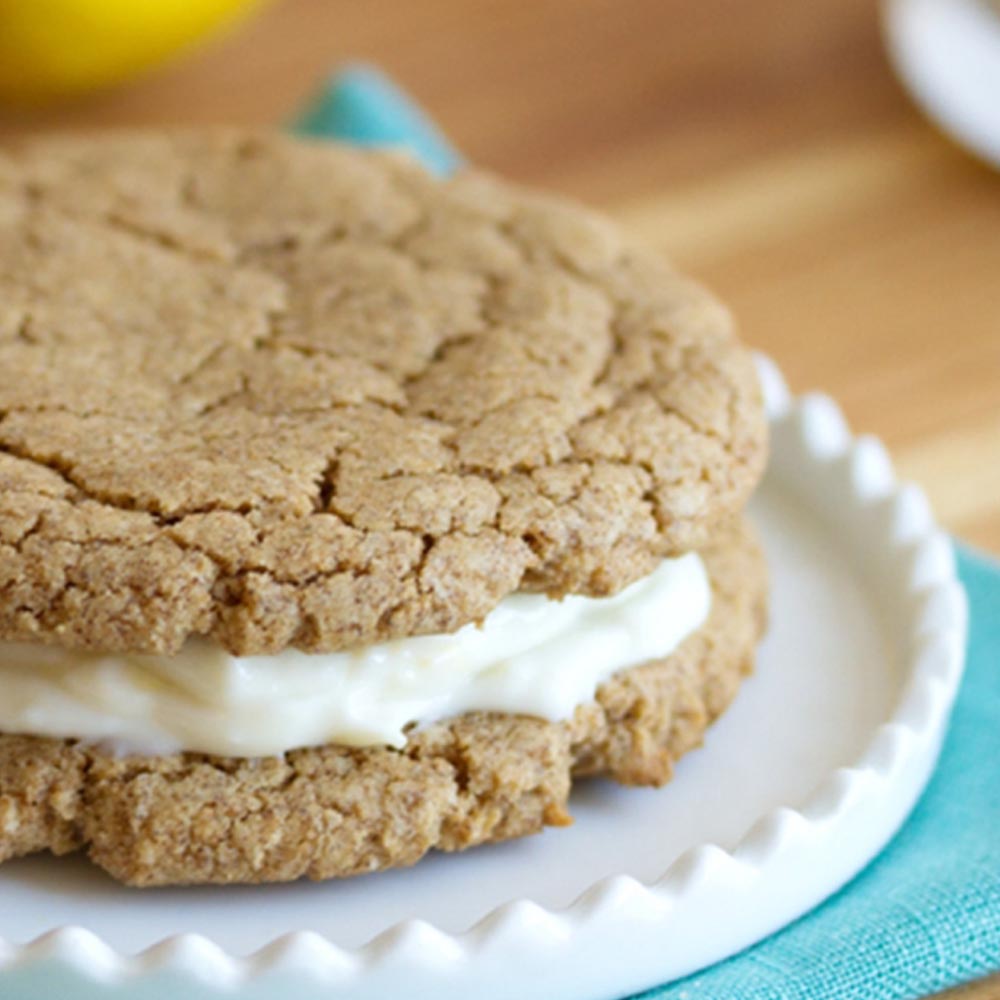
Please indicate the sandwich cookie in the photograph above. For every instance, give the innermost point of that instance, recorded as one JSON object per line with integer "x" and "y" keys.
{"x": 347, "y": 513}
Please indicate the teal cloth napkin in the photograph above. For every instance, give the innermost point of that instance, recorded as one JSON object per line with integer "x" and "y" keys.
{"x": 925, "y": 914}
{"x": 362, "y": 106}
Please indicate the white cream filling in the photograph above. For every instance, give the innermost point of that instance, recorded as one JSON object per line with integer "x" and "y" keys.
{"x": 531, "y": 656}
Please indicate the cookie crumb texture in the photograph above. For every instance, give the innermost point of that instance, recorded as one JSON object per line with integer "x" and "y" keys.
{"x": 332, "y": 811}
{"x": 287, "y": 394}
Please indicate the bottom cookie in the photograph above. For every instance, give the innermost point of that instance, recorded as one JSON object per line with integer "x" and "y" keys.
{"x": 334, "y": 811}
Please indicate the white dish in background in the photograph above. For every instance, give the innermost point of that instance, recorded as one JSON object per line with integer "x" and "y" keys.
{"x": 947, "y": 53}
{"x": 798, "y": 786}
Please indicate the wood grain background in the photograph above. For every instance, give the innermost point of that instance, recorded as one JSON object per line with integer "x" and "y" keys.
{"x": 764, "y": 145}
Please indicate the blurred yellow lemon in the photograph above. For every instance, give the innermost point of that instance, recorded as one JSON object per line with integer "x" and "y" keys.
{"x": 55, "y": 48}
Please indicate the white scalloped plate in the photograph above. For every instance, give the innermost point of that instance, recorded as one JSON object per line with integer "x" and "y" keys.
{"x": 798, "y": 786}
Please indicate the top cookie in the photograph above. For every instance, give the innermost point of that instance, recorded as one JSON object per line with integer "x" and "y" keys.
{"x": 284, "y": 393}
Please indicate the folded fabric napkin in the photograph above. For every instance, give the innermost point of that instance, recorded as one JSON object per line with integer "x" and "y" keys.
{"x": 363, "y": 107}
{"x": 925, "y": 914}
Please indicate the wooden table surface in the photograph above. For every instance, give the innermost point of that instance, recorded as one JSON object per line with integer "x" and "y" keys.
{"x": 764, "y": 145}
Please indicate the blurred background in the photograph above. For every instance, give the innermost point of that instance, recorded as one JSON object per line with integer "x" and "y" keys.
{"x": 765, "y": 146}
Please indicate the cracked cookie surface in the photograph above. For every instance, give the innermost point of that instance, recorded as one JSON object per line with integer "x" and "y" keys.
{"x": 286, "y": 394}
{"x": 333, "y": 811}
